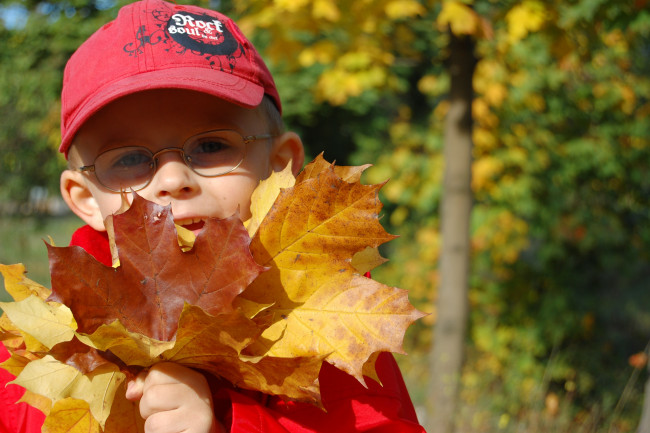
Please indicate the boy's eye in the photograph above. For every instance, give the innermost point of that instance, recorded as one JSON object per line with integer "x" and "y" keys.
{"x": 213, "y": 152}
{"x": 209, "y": 146}
{"x": 130, "y": 160}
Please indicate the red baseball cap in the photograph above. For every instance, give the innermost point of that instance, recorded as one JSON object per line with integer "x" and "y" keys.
{"x": 154, "y": 44}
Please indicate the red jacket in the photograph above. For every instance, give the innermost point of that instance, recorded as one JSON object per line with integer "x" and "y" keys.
{"x": 349, "y": 406}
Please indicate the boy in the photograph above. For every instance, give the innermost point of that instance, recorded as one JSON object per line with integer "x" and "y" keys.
{"x": 173, "y": 102}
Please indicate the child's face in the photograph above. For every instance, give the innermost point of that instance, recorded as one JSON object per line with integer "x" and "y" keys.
{"x": 166, "y": 118}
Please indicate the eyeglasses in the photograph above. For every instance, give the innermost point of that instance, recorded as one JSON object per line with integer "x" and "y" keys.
{"x": 209, "y": 154}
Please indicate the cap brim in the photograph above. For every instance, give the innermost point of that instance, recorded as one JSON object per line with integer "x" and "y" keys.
{"x": 228, "y": 87}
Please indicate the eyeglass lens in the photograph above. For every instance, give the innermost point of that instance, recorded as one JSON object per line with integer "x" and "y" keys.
{"x": 209, "y": 154}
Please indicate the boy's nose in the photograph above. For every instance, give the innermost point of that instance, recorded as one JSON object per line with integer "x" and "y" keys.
{"x": 173, "y": 178}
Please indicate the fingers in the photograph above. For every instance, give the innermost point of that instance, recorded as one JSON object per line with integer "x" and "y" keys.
{"x": 169, "y": 386}
{"x": 135, "y": 388}
{"x": 173, "y": 399}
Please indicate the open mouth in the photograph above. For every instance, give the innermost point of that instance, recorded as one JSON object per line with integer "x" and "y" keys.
{"x": 195, "y": 225}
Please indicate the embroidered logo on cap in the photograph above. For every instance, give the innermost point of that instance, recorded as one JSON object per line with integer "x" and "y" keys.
{"x": 183, "y": 32}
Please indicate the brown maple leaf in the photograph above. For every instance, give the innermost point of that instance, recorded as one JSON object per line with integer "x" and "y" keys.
{"x": 154, "y": 279}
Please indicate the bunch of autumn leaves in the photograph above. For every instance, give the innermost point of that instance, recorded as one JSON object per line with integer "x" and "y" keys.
{"x": 261, "y": 304}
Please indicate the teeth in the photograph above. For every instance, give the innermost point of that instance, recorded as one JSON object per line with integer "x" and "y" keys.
{"x": 188, "y": 221}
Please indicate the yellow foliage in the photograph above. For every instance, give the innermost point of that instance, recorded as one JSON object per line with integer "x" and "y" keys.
{"x": 616, "y": 38}
{"x": 460, "y": 18}
{"x": 336, "y": 86}
{"x": 482, "y": 113}
{"x": 484, "y": 171}
{"x": 628, "y": 97}
{"x": 520, "y": 130}
{"x": 394, "y": 190}
{"x": 326, "y": 9}
{"x": 291, "y": 5}
{"x": 397, "y": 9}
{"x": 399, "y": 215}
{"x": 488, "y": 73}
{"x": 504, "y": 235}
{"x": 600, "y": 90}
{"x": 495, "y": 94}
{"x": 354, "y": 60}
{"x": 353, "y": 73}
{"x": 399, "y": 130}
{"x": 484, "y": 140}
{"x": 429, "y": 240}
{"x": 357, "y": 61}
{"x": 323, "y": 52}
{"x": 428, "y": 85}
{"x": 526, "y": 17}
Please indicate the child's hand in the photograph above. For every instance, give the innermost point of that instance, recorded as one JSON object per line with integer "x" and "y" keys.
{"x": 174, "y": 399}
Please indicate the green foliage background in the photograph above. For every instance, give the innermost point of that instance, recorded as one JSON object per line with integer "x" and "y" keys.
{"x": 560, "y": 230}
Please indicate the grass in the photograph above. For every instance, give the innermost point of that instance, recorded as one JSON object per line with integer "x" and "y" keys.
{"x": 21, "y": 241}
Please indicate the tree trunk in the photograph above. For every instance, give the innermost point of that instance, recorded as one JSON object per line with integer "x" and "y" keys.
{"x": 447, "y": 354}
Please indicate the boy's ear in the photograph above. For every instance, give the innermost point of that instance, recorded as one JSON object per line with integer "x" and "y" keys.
{"x": 80, "y": 200}
{"x": 287, "y": 147}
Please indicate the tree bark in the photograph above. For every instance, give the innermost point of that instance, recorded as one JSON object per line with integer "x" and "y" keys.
{"x": 447, "y": 354}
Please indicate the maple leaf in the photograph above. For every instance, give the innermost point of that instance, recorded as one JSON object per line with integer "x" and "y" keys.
{"x": 367, "y": 260}
{"x": 48, "y": 324}
{"x": 18, "y": 285}
{"x": 320, "y": 305}
{"x": 70, "y": 412}
{"x": 348, "y": 173}
{"x": 265, "y": 194}
{"x": 147, "y": 291}
{"x": 58, "y": 381}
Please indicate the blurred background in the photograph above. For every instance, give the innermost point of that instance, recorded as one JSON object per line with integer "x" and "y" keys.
{"x": 553, "y": 311}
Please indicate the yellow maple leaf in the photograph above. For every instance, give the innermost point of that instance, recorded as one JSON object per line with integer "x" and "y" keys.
{"x": 48, "y": 324}
{"x": 367, "y": 260}
{"x": 71, "y": 416}
{"x": 265, "y": 194}
{"x": 58, "y": 381}
{"x": 131, "y": 347}
{"x": 10, "y": 335}
{"x": 18, "y": 285}
{"x": 310, "y": 234}
{"x": 347, "y": 320}
{"x": 321, "y": 306}
{"x": 125, "y": 415}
